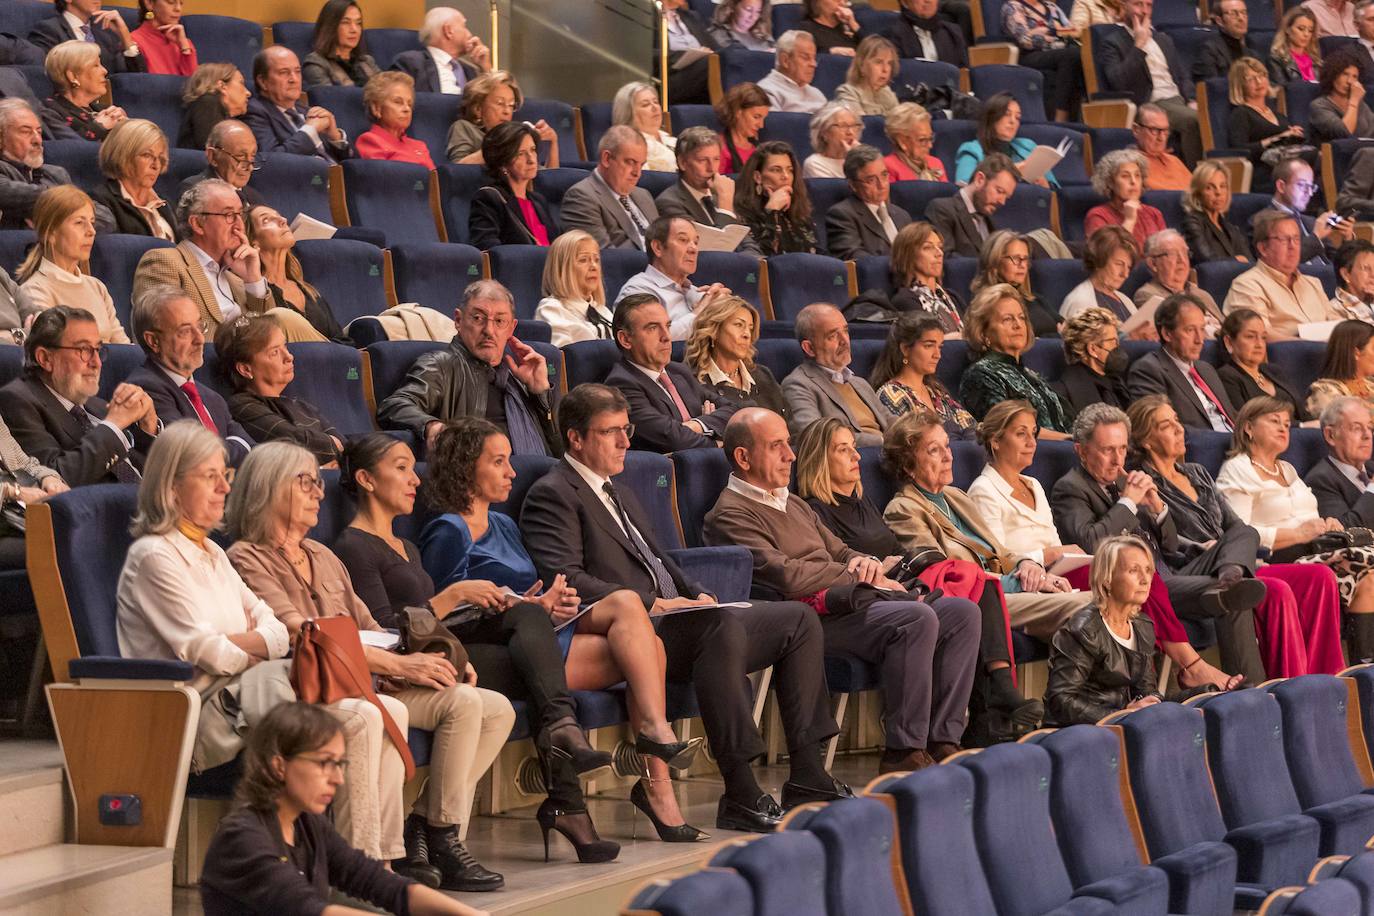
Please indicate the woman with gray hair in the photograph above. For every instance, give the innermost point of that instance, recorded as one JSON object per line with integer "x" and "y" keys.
{"x": 835, "y": 130}
{"x": 636, "y": 105}
{"x": 1119, "y": 176}
{"x": 274, "y": 504}
{"x": 909, "y": 128}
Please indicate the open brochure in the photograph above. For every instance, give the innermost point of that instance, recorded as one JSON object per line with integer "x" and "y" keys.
{"x": 1316, "y": 330}
{"x": 680, "y": 610}
{"x": 1068, "y": 563}
{"x": 709, "y": 238}
{"x": 381, "y": 639}
{"x": 690, "y": 56}
{"x": 1042, "y": 159}
{"x": 1141, "y": 317}
{"x": 305, "y": 227}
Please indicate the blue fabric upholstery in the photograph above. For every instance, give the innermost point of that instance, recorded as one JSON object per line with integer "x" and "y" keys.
{"x": 153, "y": 96}
{"x": 1072, "y": 170}
{"x": 346, "y": 104}
{"x": 1332, "y": 897}
{"x": 656, "y": 182}
{"x": 915, "y": 196}
{"x": 89, "y": 576}
{"x": 949, "y": 136}
{"x": 596, "y": 120}
{"x": 120, "y": 362}
{"x": 1219, "y": 112}
{"x": 1025, "y": 84}
{"x": 1169, "y": 203}
{"x": 857, "y": 834}
{"x": 19, "y": 16}
{"x": 1109, "y": 139}
{"x": 1244, "y": 206}
{"x": 701, "y": 474}
{"x": 791, "y": 127}
{"x": 457, "y": 185}
{"x": 330, "y": 377}
{"x": 78, "y": 157}
{"x": 724, "y": 572}
{"x": 1188, "y": 39}
{"x": 295, "y": 35}
{"x": 824, "y": 193}
{"x": 959, "y": 274}
{"x": 392, "y": 359}
{"x": 1074, "y": 204}
{"x": 786, "y": 872}
{"x": 864, "y": 355}
{"x": 830, "y": 73}
{"x": 130, "y": 669}
{"x": 879, "y": 487}
{"x": 649, "y": 477}
{"x": 969, "y": 459}
{"x": 14, "y": 244}
{"x": 224, "y": 38}
{"x": 435, "y": 273}
{"x": 392, "y": 197}
{"x": 685, "y": 116}
{"x": 1297, "y": 361}
{"x": 553, "y": 184}
{"x": 1316, "y": 741}
{"x": 385, "y": 44}
{"x": 561, "y": 116}
{"x": 295, "y": 184}
{"x": 1208, "y": 448}
{"x": 11, "y": 363}
{"x": 589, "y": 360}
{"x": 618, "y": 265}
{"x": 1323, "y": 272}
{"x": 114, "y": 257}
{"x": 780, "y": 355}
{"x": 717, "y": 891}
{"x": 528, "y": 469}
{"x": 741, "y": 273}
{"x": 434, "y": 114}
{"x": 182, "y": 164}
{"x": 347, "y": 273}
{"x": 521, "y": 269}
{"x": 336, "y": 509}
{"x": 873, "y": 272}
{"x": 847, "y": 674}
{"x": 1363, "y": 676}
{"x": 1028, "y": 209}
{"x": 1052, "y": 278}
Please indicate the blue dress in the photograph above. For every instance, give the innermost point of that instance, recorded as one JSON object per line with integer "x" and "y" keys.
{"x": 968, "y": 155}
{"x": 450, "y": 555}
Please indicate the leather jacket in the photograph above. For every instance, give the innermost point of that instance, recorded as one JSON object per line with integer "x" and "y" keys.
{"x": 1091, "y": 674}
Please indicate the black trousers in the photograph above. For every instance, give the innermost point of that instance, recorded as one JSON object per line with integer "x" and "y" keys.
{"x": 12, "y": 551}
{"x": 1063, "y": 72}
{"x": 715, "y": 650}
{"x": 1235, "y": 632}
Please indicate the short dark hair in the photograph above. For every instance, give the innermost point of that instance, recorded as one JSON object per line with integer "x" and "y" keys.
{"x": 47, "y": 329}
{"x": 453, "y": 463}
{"x": 365, "y": 453}
{"x": 501, "y": 143}
{"x": 994, "y": 109}
{"x": 995, "y": 164}
{"x": 857, "y": 158}
{"x": 585, "y": 403}
{"x": 1167, "y": 313}
{"x": 659, "y": 231}
{"x": 289, "y": 730}
{"x": 1349, "y": 252}
{"x": 693, "y": 139}
{"x": 238, "y": 341}
{"x": 620, "y": 320}
{"x": 738, "y": 434}
{"x": 1285, "y": 168}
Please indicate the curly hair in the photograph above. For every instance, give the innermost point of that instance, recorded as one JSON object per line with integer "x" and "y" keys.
{"x": 453, "y": 463}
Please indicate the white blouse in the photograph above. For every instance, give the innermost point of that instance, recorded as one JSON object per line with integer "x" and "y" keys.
{"x": 569, "y": 319}
{"x": 1083, "y": 297}
{"x": 177, "y": 601}
{"x": 661, "y": 157}
{"x": 818, "y": 166}
{"x": 1264, "y": 504}
{"x": 1019, "y": 528}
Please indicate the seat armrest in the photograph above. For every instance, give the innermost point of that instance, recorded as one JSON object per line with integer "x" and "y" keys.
{"x": 130, "y": 669}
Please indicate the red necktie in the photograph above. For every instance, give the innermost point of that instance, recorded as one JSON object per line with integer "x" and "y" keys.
{"x": 1197, "y": 380}
{"x": 193, "y": 394}
{"x": 667, "y": 384}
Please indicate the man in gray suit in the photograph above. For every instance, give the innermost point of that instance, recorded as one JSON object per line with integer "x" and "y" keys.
{"x": 702, "y": 194}
{"x": 867, "y": 222}
{"x": 606, "y": 204}
{"x": 964, "y": 220}
{"x": 824, "y": 385}
{"x": 1177, "y": 369}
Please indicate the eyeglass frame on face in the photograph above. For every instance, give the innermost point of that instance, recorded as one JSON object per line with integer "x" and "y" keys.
{"x": 231, "y": 215}
{"x": 212, "y": 478}
{"x": 337, "y": 764}
{"x": 185, "y": 330}
{"x": 84, "y": 352}
{"x": 242, "y": 160}
{"x": 308, "y": 482}
{"x": 628, "y": 429}
{"x": 1020, "y": 260}
{"x": 160, "y": 161}
{"x": 876, "y": 179}
{"x": 483, "y": 320}
{"x": 1153, "y": 131}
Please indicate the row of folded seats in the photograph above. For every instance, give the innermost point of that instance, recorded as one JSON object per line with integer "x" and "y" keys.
{"x": 1261, "y": 798}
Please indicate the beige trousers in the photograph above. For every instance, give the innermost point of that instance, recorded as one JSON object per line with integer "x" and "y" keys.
{"x": 368, "y": 808}
{"x": 294, "y": 325}
{"x": 1041, "y": 613}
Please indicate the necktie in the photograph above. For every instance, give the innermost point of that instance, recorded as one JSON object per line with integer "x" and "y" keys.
{"x": 712, "y": 214}
{"x": 295, "y": 117}
{"x": 123, "y": 471}
{"x": 1364, "y": 477}
{"x": 87, "y": 33}
{"x": 885, "y": 220}
{"x": 193, "y": 395}
{"x": 663, "y": 581}
{"x": 1197, "y": 380}
{"x": 669, "y": 387}
{"x": 634, "y": 218}
{"x": 459, "y": 75}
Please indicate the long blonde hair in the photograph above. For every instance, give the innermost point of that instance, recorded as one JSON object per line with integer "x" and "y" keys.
{"x": 709, "y": 321}
{"x": 54, "y": 207}
{"x": 813, "y": 460}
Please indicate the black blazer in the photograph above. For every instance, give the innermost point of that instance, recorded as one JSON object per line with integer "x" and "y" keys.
{"x": 676, "y": 200}
{"x": 495, "y": 218}
{"x": 45, "y": 430}
{"x": 950, "y": 46}
{"x": 1085, "y": 515}
{"x": 172, "y": 404}
{"x": 767, "y": 393}
{"x": 1155, "y": 373}
{"x": 276, "y": 134}
{"x": 1079, "y": 386}
{"x": 1124, "y": 69}
{"x": 852, "y": 231}
{"x": 198, "y": 119}
{"x": 49, "y": 33}
{"x": 128, "y": 219}
{"x": 422, "y": 68}
{"x": 957, "y": 226}
{"x": 1208, "y": 242}
{"x": 569, "y": 530}
{"x": 1240, "y": 388}
{"x": 1338, "y": 497}
{"x": 655, "y": 416}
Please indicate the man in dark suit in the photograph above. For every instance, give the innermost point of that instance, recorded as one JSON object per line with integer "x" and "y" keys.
{"x": 280, "y": 120}
{"x": 17, "y": 52}
{"x": 1137, "y": 60}
{"x": 1227, "y": 44}
{"x": 1341, "y": 480}
{"x": 230, "y": 152}
{"x": 920, "y": 29}
{"x": 1357, "y": 188}
{"x": 451, "y": 56}
{"x": 578, "y": 524}
{"x": 169, "y": 327}
{"x": 54, "y": 414}
{"x": 1294, "y": 185}
{"x": 1176, "y": 369}
{"x": 668, "y": 406}
{"x": 867, "y": 222}
{"x": 23, "y": 173}
{"x": 1100, "y": 499}
{"x": 119, "y": 52}
{"x": 964, "y": 220}
{"x": 1364, "y": 50}
{"x": 608, "y": 204}
{"x": 702, "y": 194}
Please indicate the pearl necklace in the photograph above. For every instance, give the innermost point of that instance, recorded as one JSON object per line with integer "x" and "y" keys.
{"x": 1273, "y": 472}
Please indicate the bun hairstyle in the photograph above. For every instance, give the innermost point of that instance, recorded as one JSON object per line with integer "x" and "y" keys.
{"x": 363, "y": 454}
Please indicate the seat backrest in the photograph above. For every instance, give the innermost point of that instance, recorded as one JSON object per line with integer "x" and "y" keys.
{"x": 1025, "y": 84}
{"x": 1052, "y": 461}
{"x": 797, "y": 280}
{"x": 385, "y": 44}
{"x": 596, "y": 120}
{"x": 12, "y": 363}
{"x": 521, "y": 269}
{"x": 528, "y": 469}
{"x": 741, "y": 273}
{"x": 1324, "y": 273}
{"x": 683, "y": 117}
{"x": 1109, "y": 139}
{"x": 14, "y": 245}
{"x": 618, "y": 265}
{"x": 345, "y": 103}
{"x": 336, "y": 509}
{"x": 553, "y": 184}
{"x": 457, "y": 185}
{"x": 1320, "y": 723}
{"x": 1054, "y": 278}
{"x": 954, "y": 359}
{"x": 830, "y": 73}
{"x": 392, "y": 197}
{"x": 589, "y": 360}
{"x": 780, "y": 355}
{"x": 1245, "y": 753}
{"x": 873, "y": 271}
{"x": 434, "y": 114}
{"x": 1028, "y": 209}
{"x": 1363, "y": 676}
{"x": 226, "y": 39}
{"x": 1074, "y": 204}
{"x": 330, "y": 377}
{"x": 561, "y": 116}
{"x": 792, "y": 127}
{"x": 295, "y": 35}
{"x": 740, "y": 66}
{"x": 863, "y": 866}
{"x": 19, "y": 16}
{"x": 701, "y": 475}
{"x": 119, "y": 363}
{"x": 1218, "y": 111}
{"x": 1073, "y": 169}
{"x": 939, "y": 853}
{"x": 154, "y": 96}
{"x": 786, "y": 872}
{"x": 1244, "y": 207}
{"x": 879, "y": 486}
{"x": 959, "y": 274}
{"x": 949, "y": 136}
{"x": 79, "y": 158}
{"x": 1328, "y": 897}
{"x": 295, "y": 184}
{"x": 864, "y": 355}
{"x": 649, "y": 476}
{"x": 392, "y": 359}
{"x": 915, "y": 196}
{"x": 348, "y": 273}
{"x": 913, "y": 71}
{"x": 656, "y": 182}
{"x": 1208, "y": 448}
{"x": 114, "y": 257}
{"x": 1216, "y": 276}
{"x": 1169, "y": 203}
{"x": 824, "y": 193}
{"x": 435, "y": 273}
{"x": 717, "y": 891}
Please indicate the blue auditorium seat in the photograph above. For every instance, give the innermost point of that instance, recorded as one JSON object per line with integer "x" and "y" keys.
{"x": 830, "y": 73}
{"x": 19, "y": 16}
{"x": 346, "y": 104}
{"x": 873, "y": 272}
{"x": 949, "y": 136}
{"x": 915, "y": 196}
{"x": 1219, "y": 112}
{"x": 656, "y": 182}
{"x": 14, "y": 245}
{"x": 959, "y": 274}
{"x": 348, "y": 273}
{"x": 862, "y": 863}
{"x": 182, "y": 164}
{"x": 392, "y": 197}
{"x": 683, "y": 117}
{"x": 1046, "y": 357}
{"x": 79, "y": 158}
{"x": 779, "y": 355}
{"x": 434, "y": 113}
{"x": 554, "y": 183}
{"x": 1074, "y": 204}
{"x": 1025, "y": 84}
{"x": 824, "y": 193}
{"x": 791, "y": 127}
{"x": 119, "y": 363}
{"x": 1188, "y": 39}
{"x": 913, "y": 72}
{"x": 740, "y": 66}
{"x": 701, "y": 475}
{"x": 589, "y": 360}
{"x": 11, "y": 363}
{"x": 785, "y": 870}
{"x": 797, "y": 280}
{"x": 1323, "y": 272}
{"x": 391, "y": 360}
{"x": 717, "y": 891}
{"x": 649, "y": 476}
{"x": 1363, "y": 676}
{"x": 1053, "y": 279}
{"x": 1331, "y": 897}
{"x": 457, "y": 185}
{"x": 865, "y": 355}
{"x": 1298, "y": 97}
{"x": 114, "y": 257}
{"x": 385, "y": 44}
{"x": 330, "y": 376}
{"x": 618, "y": 265}
{"x": 434, "y": 274}
{"x": 153, "y": 96}
{"x": 1208, "y": 448}
{"x": 521, "y": 269}
{"x": 1169, "y": 203}
{"x": 1109, "y": 139}
{"x": 561, "y": 116}
{"x": 336, "y": 510}
{"x": 1321, "y": 721}
{"x": 596, "y": 120}
{"x": 742, "y": 274}
{"x": 1027, "y": 210}
{"x": 1216, "y": 276}
{"x": 225, "y": 39}
{"x": 295, "y": 184}
{"x": 1244, "y": 207}
{"x": 1073, "y": 169}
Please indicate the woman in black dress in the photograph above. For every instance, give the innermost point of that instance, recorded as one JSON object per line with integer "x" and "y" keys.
{"x": 271, "y": 234}
{"x": 721, "y": 354}
{"x": 214, "y": 92}
{"x": 771, "y": 199}
{"x": 1210, "y": 235}
{"x": 1245, "y": 370}
{"x": 1095, "y": 369}
{"x": 832, "y": 24}
{"x": 1253, "y": 125}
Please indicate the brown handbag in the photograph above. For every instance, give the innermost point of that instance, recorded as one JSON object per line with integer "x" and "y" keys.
{"x": 329, "y": 666}
{"x": 422, "y": 632}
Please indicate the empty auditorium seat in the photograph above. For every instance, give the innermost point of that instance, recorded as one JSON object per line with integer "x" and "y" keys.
{"x": 521, "y": 269}
{"x": 742, "y": 274}
{"x": 152, "y": 96}
{"x": 392, "y": 197}
{"x": 1324, "y": 745}
{"x": 118, "y": 364}
{"x": 785, "y": 870}
{"x": 457, "y": 185}
{"x": 1025, "y": 84}
{"x": 14, "y": 245}
{"x": 79, "y": 158}
{"x": 797, "y": 280}
{"x": 824, "y": 193}
{"x": 554, "y": 183}
{"x": 225, "y": 39}
{"x": 915, "y": 196}
{"x": 330, "y": 376}
{"x": 348, "y": 273}
{"x": 717, "y": 891}
{"x": 385, "y": 44}
{"x": 295, "y": 184}
{"x": 434, "y": 274}
{"x": 561, "y": 116}
{"x": 1074, "y": 204}
{"x": 1053, "y": 279}
{"x": 649, "y": 476}
{"x": 434, "y": 113}
{"x": 1027, "y": 210}
{"x": 791, "y": 127}
{"x": 863, "y": 866}
{"x": 345, "y": 103}
{"x": 589, "y": 360}
{"x": 114, "y": 257}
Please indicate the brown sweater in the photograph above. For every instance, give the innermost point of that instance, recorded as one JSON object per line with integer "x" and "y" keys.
{"x": 794, "y": 553}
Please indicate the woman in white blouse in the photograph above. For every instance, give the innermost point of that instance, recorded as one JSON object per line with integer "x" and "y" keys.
{"x": 637, "y": 105}
{"x": 835, "y": 130}
{"x": 574, "y": 303}
{"x": 1015, "y": 510}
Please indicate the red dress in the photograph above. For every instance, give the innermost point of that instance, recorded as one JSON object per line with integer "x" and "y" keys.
{"x": 162, "y": 53}
{"x": 1148, "y": 221}
{"x": 379, "y": 143}
{"x": 897, "y": 170}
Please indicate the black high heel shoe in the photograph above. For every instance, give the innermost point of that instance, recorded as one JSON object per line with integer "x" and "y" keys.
{"x": 578, "y": 829}
{"x": 682, "y": 833}
{"x": 564, "y": 740}
{"x": 677, "y": 754}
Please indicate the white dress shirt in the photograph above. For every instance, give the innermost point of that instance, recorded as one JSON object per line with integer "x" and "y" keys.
{"x": 1018, "y": 527}
{"x": 1265, "y": 504}
{"x": 1352, "y": 473}
{"x": 177, "y": 601}
{"x": 443, "y": 61}
{"x": 681, "y": 300}
{"x": 67, "y": 405}
{"x": 884, "y": 218}
{"x": 1219, "y": 423}
{"x": 1164, "y": 85}
{"x": 597, "y": 483}
{"x": 773, "y": 499}
{"x": 229, "y": 308}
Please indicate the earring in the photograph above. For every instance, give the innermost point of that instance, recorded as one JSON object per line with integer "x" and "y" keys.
{"x": 368, "y": 489}
{"x": 147, "y": 14}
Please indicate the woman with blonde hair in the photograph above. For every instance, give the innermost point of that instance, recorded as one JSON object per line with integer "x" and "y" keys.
{"x": 1005, "y": 258}
{"x": 918, "y": 269}
{"x": 490, "y": 99}
{"x": 909, "y": 128}
{"x": 1255, "y": 126}
{"x": 866, "y": 89}
{"x": 1210, "y": 235}
{"x": 302, "y": 310}
{"x": 744, "y": 23}
{"x": 214, "y": 92}
{"x": 132, "y": 158}
{"x": 721, "y": 353}
{"x": 636, "y": 105}
{"x": 835, "y": 130}
{"x": 574, "y": 303}
{"x": 1295, "y": 54}
{"x": 998, "y": 334}
{"x": 389, "y": 99}
{"x": 56, "y": 270}
{"x": 79, "y": 81}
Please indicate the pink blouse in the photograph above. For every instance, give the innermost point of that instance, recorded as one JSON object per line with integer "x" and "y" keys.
{"x": 162, "y": 53}
{"x": 897, "y": 170}
{"x": 532, "y": 223}
{"x": 379, "y": 143}
{"x": 1304, "y": 64}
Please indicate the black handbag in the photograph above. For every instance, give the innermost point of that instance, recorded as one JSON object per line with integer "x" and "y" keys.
{"x": 857, "y": 597}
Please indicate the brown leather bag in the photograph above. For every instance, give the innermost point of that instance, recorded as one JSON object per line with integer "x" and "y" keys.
{"x": 421, "y": 631}
{"x": 329, "y": 666}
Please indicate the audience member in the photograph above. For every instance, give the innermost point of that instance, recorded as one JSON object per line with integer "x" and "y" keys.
{"x": 489, "y": 100}
{"x": 1210, "y": 235}
{"x": 509, "y": 211}
{"x": 1244, "y": 367}
{"x": 703, "y": 194}
{"x": 1357, "y": 185}
{"x": 257, "y": 367}
{"x": 293, "y": 769}
{"x": 1109, "y": 255}
{"x": 514, "y": 652}
{"x": 1087, "y": 13}
{"x": 389, "y": 99}
{"x": 280, "y": 119}
{"x": 1334, "y": 17}
{"x": 1254, "y": 126}
{"x": 824, "y": 385}
{"x": 613, "y": 641}
{"x": 1048, "y": 42}
{"x": 788, "y": 85}
{"x": 75, "y": 111}
{"x": 904, "y": 375}
{"x": 132, "y": 159}
{"x": 1294, "y": 186}
{"x": 1120, "y": 176}
{"x": 744, "y": 24}
{"x": 338, "y": 49}
{"x": 23, "y": 173}
{"x": 216, "y": 91}
{"x": 1163, "y": 171}
{"x": 1347, "y": 368}
{"x": 1005, "y": 258}
{"x": 451, "y": 57}
{"x": 231, "y": 154}
{"x": 1340, "y": 111}
{"x": 53, "y": 412}
{"x": 1094, "y": 362}
{"x": 830, "y": 480}
{"x": 866, "y": 89}
{"x": 57, "y": 269}
{"x": 999, "y": 122}
{"x": 1177, "y": 369}
{"x": 87, "y": 23}
{"x": 998, "y": 334}
{"x": 922, "y": 33}
{"x": 16, "y": 51}
{"x": 1143, "y": 62}
{"x": 15, "y": 310}
{"x": 771, "y": 199}
{"x": 909, "y": 129}
{"x": 574, "y": 303}
{"x": 1364, "y": 30}
{"x": 608, "y": 204}
{"x": 964, "y": 219}
{"x": 835, "y": 130}
{"x": 1226, "y": 44}
{"x": 721, "y": 353}
{"x": 1355, "y": 273}
{"x": 866, "y": 222}
{"x": 741, "y": 113}
{"x": 687, "y": 32}
{"x": 636, "y": 105}
{"x": 486, "y": 371}
{"x": 293, "y": 296}
{"x": 23, "y": 482}
{"x": 576, "y": 522}
{"x": 673, "y": 247}
{"x": 1340, "y": 480}
{"x": 1282, "y": 295}
{"x": 1166, "y": 254}
{"x": 162, "y": 39}
{"x": 917, "y": 268}
{"x": 1295, "y": 55}
{"x": 832, "y": 25}
{"x": 168, "y": 326}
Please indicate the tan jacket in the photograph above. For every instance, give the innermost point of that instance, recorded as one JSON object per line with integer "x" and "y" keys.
{"x": 918, "y": 524}
{"x": 1263, "y": 289}
{"x": 178, "y": 267}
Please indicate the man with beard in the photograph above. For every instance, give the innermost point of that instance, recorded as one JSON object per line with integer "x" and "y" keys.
{"x": 964, "y": 220}
{"x": 23, "y": 174}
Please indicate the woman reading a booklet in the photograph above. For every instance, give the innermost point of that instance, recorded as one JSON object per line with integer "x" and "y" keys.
{"x": 1015, "y": 509}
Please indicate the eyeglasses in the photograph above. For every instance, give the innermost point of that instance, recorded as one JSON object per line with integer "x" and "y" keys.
{"x": 872, "y": 180}
{"x": 922, "y": 139}
{"x": 1304, "y": 186}
{"x": 160, "y": 160}
{"x": 87, "y": 353}
{"x": 309, "y": 483}
{"x": 1153, "y": 131}
{"x": 184, "y": 331}
{"x": 233, "y": 216}
{"x": 327, "y": 765}
{"x": 242, "y": 160}
{"x": 608, "y": 431}
{"x": 482, "y": 320}
{"x": 213, "y": 478}
{"x": 1020, "y": 260}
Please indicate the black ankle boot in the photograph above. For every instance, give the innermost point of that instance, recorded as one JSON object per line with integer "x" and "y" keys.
{"x": 1361, "y": 638}
{"x": 416, "y": 864}
{"x": 459, "y": 870}
{"x": 1025, "y": 715}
